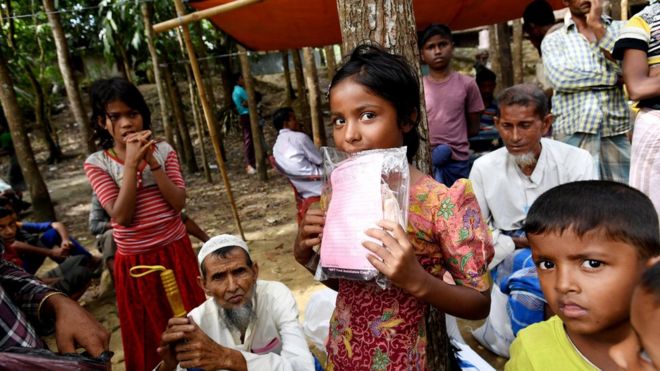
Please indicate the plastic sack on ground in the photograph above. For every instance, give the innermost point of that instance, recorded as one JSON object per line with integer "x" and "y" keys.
{"x": 317, "y": 317}
{"x": 496, "y": 334}
{"x": 359, "y": 190}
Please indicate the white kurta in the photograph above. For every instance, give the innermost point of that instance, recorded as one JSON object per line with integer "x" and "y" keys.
{"x": 273, "y": 341}
{"x": 505, "y": 194}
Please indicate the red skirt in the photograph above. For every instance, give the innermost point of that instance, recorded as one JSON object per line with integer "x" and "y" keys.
{"x": 141, "y": 302}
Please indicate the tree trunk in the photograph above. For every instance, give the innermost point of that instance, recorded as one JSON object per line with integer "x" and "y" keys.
{"x": 72, "y": 92}
{"x": 517, "y": 50}
{"x": 494, "y": 53}
{"x": 254, "y": 119}
{"x": 180, "y": 119}
{"x": 330, "y": 61}
{"x": 200, "y": 133}
{"x": 312, "y": 82}
{"x": 54, "y": 151}
{"x": 288, "y": 88}
{"x": 303, "y": 109}
{"x": 201, "y": 50}
{"x": 391, "y": 23}
{"x": 147, "y": 11}
{"x": 41, "y": 203}
{"x": 506, "y": 59}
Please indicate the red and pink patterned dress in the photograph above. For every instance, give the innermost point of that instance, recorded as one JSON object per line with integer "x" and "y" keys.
{"x": 375, "y": 329}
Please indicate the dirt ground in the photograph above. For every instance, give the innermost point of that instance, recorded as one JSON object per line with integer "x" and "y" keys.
{"x": 266, "y": 209}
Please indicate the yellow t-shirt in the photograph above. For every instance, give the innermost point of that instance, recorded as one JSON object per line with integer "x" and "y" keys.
{"x": 545, "y": 346}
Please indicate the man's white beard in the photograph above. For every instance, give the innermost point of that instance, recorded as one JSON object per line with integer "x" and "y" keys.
{"x": 239, "y": 318}
{"x": 524, "y": 160}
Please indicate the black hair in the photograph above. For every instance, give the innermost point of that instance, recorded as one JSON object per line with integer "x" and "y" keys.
{"x": 539, "y": 13}
{"x": 222, "y": 253}
{"x": 235, "y": 77}
{"x": 281, "y": 116}
{"x": 621, "y": 212}
{"x": 432, "y": 30}
{"x": 524, "y": 95}
{"x": 5, "y": 212}
{"x": 484, "y": 74}
{"x": 106, "y": 91}
{"x": 650, "y": 281}
{"x": 390, "y": 77}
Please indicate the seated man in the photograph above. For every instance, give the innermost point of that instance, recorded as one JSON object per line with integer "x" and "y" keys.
{"x": 29, "y": 308}
{"x": 24, "y": 249}
{"x": 296, "y": 154}
{"x": 246, "y": 324}
{"x": 506, "y": 183}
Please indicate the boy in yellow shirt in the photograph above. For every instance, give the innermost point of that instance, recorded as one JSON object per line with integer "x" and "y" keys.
{"x": 590, "y": 242}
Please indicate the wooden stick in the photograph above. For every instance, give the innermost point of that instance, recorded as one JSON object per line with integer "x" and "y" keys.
{"x": 184, "y": 19}
{"x": 248, "y": 81}
{"x": 312, "y": 83}
{"x": 624, "y": 10}
{"x": 208, "y": 114}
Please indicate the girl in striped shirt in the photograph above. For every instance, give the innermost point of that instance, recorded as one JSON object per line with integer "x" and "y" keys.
{"x": 138, "y": 182}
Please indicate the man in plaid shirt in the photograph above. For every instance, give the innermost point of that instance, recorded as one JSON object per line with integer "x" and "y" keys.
{"x": 588, "y": 103}
{"x": 28, "y": 307}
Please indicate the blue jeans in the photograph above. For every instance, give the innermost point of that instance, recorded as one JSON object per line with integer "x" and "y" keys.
{"x": 445, "y": 169}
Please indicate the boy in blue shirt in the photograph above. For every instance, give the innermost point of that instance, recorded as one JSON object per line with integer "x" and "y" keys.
{"x": 591, "y": 241}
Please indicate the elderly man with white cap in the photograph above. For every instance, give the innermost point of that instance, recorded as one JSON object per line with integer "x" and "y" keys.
{"x": 246, "y": 324}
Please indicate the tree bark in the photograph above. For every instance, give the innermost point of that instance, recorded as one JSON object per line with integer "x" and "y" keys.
{"x": 200, "y": 133}
{"x": 312, "y": 83}
{"x": 252, "y": 107}
{"x": 330, "y": 61}
{"x": 288, "y": 88}
{"x": 147, "y": 12}
{"x": 180, "y": 119}
{"x": 506, "y": 59}
{"x": 70, "y": 84}
{"x": 303, "y": 108}
{"x": 517, "y": 50}
{"x": 391, "y": 23}
{"x": 41, "y": 202}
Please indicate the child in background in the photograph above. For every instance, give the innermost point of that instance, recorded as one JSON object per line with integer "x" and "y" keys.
{"x": 453, "y": 106}
{"x": 591, "y": 241}
{"x": 138, "y": 182}
{"x": 641, "y": 350}
{"x": 374, "y": 103}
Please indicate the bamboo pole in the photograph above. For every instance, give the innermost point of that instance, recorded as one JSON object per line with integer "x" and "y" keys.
{"x": 254, "y": 119}
{"x": 624, "y": 10}
{"x": 183, "y": 20}
{"x": 330, "y": 61}
{"x": 180, "y": 10}
{"x": 312, "y": 83}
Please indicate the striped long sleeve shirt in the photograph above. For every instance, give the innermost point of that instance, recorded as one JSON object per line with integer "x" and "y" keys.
{"x": 587, "y": 97}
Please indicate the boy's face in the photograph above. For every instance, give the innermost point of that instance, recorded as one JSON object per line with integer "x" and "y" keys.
{"x": 292, "y": 122}
{"x": 437, "y": 52}
{"x": 641, "y": 350}
{"x": 588, "y": 282}
{"x": 8, "y": 229}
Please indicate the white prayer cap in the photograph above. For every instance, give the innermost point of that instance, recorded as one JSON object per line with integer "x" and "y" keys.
{"x": 219, "y": 242}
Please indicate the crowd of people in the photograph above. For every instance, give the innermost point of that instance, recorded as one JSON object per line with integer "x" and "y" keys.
{"x": 553, "y": 238}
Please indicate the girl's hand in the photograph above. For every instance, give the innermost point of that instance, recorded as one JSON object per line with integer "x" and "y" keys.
{"x": 309, "y": 235}
{"x": 395, "y": 258}
{"x": 137, "y": 145}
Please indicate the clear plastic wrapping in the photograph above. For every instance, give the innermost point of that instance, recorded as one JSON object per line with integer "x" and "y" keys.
{"x": 359, "y": 190}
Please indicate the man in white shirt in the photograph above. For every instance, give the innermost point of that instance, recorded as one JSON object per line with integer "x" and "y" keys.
{"x": 296, "y": 154}
{"x": 246, "y": 324}
{"x": 506, "y": 183}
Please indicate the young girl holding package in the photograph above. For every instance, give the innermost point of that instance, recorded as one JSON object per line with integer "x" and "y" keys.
{"x": 138, "y": 182}
{"x": 374, "y": 102}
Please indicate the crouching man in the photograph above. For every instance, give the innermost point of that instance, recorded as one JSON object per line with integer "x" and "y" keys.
{"x": 246, "y": 324}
